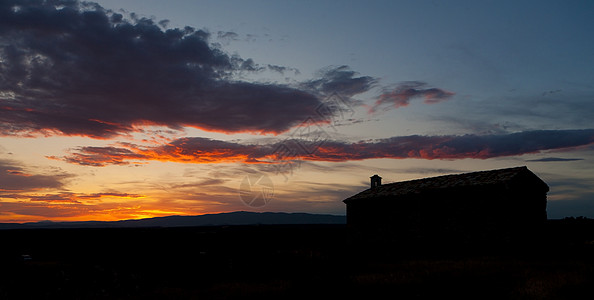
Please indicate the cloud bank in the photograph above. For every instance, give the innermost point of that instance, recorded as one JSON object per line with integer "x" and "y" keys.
{"x": 204, "y": 150}
{"x": 72, "y": 68}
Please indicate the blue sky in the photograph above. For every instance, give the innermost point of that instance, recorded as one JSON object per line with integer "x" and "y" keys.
{"x": 120, "y": 129}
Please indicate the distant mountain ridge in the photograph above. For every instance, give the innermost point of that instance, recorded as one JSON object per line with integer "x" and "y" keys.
{"x": 232, "y": 218}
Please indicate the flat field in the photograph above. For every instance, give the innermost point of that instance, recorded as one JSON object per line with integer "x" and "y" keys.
{"x": 288, "y": 261}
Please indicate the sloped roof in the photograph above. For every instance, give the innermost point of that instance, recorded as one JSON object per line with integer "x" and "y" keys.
{"x": 482, "y": 178}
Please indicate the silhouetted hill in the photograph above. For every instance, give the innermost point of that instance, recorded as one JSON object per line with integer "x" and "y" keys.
{"x": 232, "y": 218}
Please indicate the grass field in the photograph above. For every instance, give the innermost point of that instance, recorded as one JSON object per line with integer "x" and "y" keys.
{"x": 284, "y": 261}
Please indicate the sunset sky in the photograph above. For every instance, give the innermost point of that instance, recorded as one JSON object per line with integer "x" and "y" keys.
{"x": 132, "y": 109}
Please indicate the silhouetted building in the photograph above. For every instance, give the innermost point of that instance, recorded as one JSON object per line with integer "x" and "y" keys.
{"x": 478, "y": 206}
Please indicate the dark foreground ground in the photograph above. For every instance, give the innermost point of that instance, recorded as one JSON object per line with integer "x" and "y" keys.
{"x": 286, "y": 261}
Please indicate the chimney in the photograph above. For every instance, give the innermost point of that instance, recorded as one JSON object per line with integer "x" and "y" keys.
{"x": 375, "y": 181}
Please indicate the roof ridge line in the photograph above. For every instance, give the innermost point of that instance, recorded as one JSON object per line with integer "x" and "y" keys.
{"x": 458, "y": 174}
{"x": 468, "y": 179}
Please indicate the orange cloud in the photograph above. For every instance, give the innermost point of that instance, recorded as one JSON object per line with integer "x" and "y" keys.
{"x": 203, "y": 150}
{"x": 69, "y": 211}
{"x": 69, "y": 197}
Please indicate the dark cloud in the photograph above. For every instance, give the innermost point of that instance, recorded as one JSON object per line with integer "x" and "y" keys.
{"x": 203, "y": 150}
{"x": 457, "y": 147}
{"x": 340, "y": 80}
{"x": 162, "y": 23}
{"x": 101, "y": 156}
{"x": 227, "y": 35}
{"x": 54, "y": 198}
{"x": 405, "y": 92}
{"x": 14, "y": 177}
{"x": 554, "y": 159}
{"x": 73, "y": 68}
{"x": 249, "y": 65}
{"x": 283, "y": 69}
{"x": 190, "y": 150}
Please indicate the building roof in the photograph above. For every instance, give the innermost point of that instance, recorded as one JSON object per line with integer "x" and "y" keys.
{"x": 474, "y": 179}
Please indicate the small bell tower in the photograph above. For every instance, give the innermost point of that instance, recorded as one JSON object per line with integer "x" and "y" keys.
{"x": 375, "y": 181}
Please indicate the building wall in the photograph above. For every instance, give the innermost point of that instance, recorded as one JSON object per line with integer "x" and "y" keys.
{"x": 498, "y": 212}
